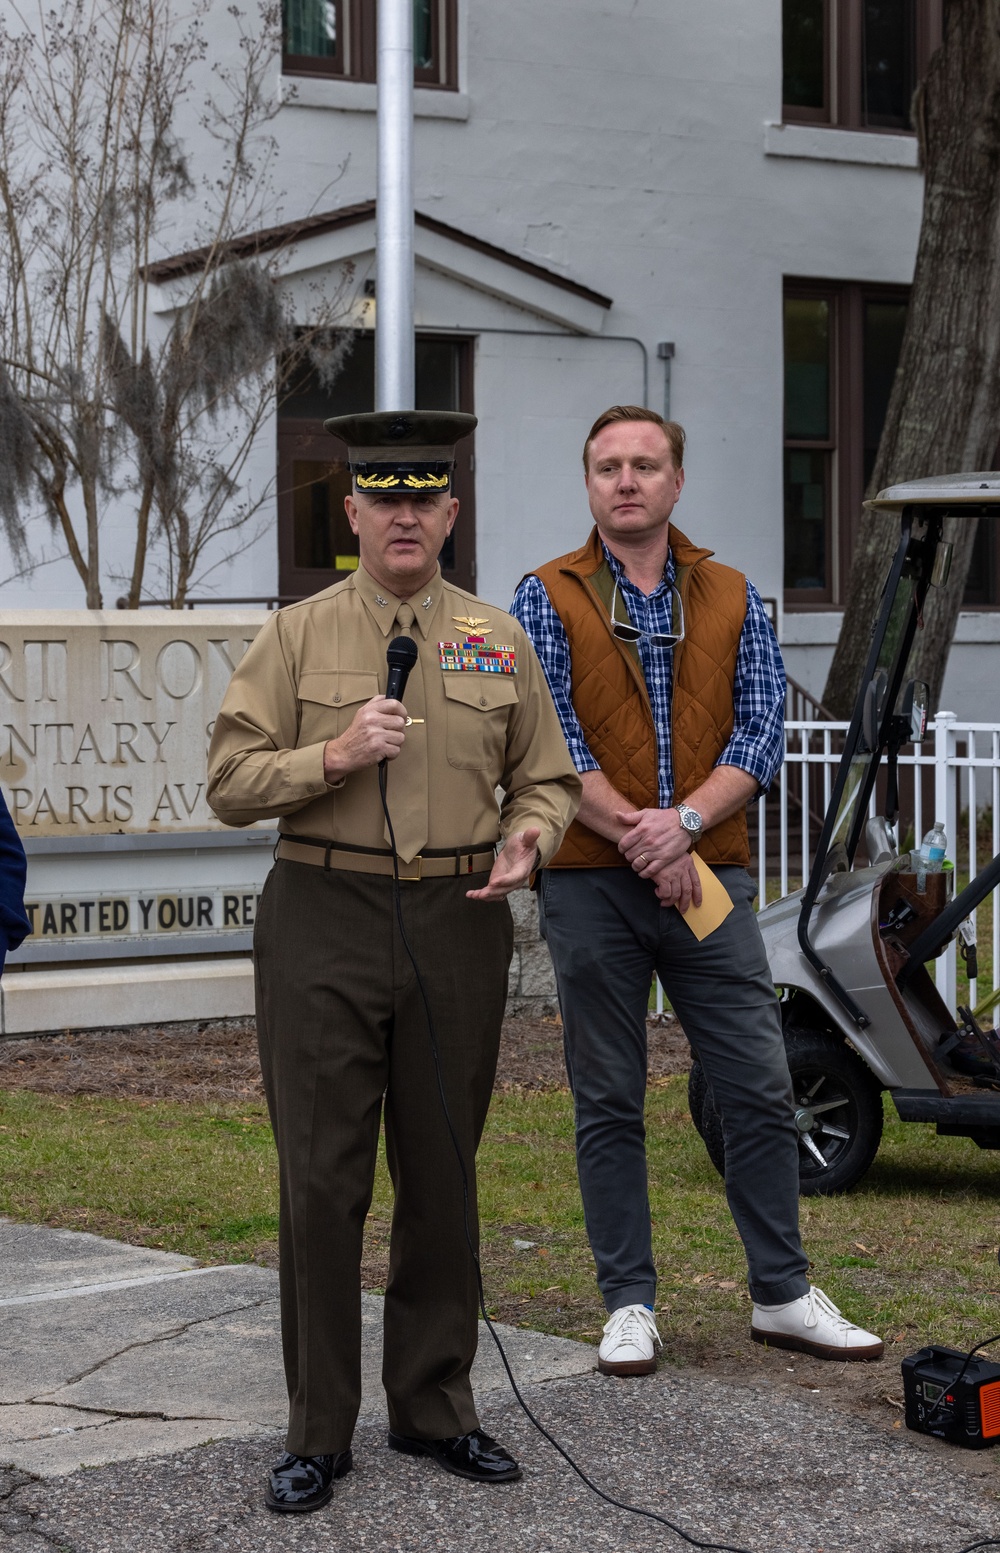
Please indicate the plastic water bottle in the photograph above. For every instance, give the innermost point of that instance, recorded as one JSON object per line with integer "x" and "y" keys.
{"x": 930, "y": 858}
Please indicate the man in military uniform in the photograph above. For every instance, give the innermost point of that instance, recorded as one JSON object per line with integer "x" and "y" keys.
{"x": 341, "y": 1025}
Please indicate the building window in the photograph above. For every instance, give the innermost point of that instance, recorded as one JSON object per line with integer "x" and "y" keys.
{"x": 842, "y": 343}
{"x": 809, "y": 444}
{"x": 338, "y": 38}
{"x": 856, "y": 63}
{"x": 981, "y": 588}
{"x": 315, "y": 544}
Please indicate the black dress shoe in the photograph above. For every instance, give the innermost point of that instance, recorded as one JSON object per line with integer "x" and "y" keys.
{"x": 472, "y": 1455}
{"x": 298, "y": 1484}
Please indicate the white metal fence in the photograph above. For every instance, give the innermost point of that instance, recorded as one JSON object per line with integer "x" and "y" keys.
{"x": 953, "y": 776}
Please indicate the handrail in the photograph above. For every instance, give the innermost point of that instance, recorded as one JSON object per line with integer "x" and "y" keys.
{"x": 271, "y": 600}
{"x": 801, "y": 706}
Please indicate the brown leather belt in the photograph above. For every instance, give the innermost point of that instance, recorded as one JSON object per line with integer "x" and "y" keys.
{"x": 356, "y": 860}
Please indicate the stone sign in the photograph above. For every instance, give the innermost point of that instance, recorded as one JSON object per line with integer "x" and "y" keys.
{"x": 106, "y": 716}
{"x": 142, "y": 905}
{"x": 141, "y": 913}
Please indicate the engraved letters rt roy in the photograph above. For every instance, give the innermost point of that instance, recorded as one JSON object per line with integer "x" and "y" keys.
{"x": 105, "y": 717}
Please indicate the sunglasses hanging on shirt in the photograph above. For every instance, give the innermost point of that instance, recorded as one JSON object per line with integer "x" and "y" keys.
{"x": 626, "y": 632}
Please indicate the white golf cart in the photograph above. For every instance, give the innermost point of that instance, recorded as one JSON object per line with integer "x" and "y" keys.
{"x": 848, "y": 953}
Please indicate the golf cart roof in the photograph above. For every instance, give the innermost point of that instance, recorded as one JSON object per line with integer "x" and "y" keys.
{"x": 975, "y": 489}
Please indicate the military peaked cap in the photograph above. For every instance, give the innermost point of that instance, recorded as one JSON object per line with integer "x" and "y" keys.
{"x": 402, "y": 450}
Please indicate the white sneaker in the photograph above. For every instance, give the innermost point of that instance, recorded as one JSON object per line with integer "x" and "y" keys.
{"x": 813, "y": 1324}
{"x": 628, "y": 1343}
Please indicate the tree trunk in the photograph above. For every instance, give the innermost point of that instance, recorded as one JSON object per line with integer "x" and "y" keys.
{"x": 184, "y": 560}
{"x": 92, "y": 515}
{"x": 944, "y": 411}
{"x": 141, "y": 543}
{"x": 55, "y": 495}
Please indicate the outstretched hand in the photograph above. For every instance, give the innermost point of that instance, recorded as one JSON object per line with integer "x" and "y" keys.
{"x": 513, "y": 867}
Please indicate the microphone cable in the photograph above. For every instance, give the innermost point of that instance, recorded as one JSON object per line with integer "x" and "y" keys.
{"x": 618, "y": 1504}
{"x": 987, "y": 1542}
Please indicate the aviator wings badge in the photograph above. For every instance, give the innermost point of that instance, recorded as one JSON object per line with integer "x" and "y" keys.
{"x": 473, "y": 624}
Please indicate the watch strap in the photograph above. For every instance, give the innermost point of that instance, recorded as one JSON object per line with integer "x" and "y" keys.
{"x": 683, "y": 810}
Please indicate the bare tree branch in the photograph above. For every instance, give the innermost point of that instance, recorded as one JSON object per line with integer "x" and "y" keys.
{"x": 100, "y": 395}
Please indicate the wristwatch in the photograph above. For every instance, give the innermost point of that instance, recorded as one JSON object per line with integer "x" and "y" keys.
{"x": 691, "y": 821}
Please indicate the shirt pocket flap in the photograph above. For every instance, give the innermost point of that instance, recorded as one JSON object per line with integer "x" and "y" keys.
{"x": 484, "y": 692}
{"x": 338, "y": 689}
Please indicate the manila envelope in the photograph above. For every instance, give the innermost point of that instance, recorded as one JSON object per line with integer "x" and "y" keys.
{"x": 715, "y": 903}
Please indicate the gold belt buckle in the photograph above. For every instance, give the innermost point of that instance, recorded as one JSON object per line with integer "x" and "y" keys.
{"x": 411, "y": 878}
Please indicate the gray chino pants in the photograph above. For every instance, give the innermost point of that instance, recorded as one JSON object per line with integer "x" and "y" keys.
{"x": 607, "y": 934}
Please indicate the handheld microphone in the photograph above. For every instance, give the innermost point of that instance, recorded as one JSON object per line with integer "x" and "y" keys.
{"x": 401, "y": 655}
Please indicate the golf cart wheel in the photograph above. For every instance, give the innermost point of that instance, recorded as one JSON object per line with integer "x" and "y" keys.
{"x": 701, "y": 1104}
{"x": 838, "y": 1113}
{"x": 706, "y": 1118}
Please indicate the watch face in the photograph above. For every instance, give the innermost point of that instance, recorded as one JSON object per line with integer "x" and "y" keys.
{"x": 690, "y": 819}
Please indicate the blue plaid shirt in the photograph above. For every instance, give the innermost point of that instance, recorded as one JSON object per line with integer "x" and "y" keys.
{"x": 757, "y": 742}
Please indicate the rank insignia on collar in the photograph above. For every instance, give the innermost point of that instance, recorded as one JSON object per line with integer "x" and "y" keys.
{"x": 473, "y": 624}
{"x": 474, "y": 657}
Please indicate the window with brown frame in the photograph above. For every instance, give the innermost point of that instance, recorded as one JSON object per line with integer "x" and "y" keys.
{"x": 315, "y": 544}
{"x": 338, "y": 38}
{"x": 841, "y": 346}
{"x": 855, "y": 64}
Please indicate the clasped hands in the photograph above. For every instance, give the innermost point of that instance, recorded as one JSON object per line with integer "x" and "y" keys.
{"x": 658, "y": 847}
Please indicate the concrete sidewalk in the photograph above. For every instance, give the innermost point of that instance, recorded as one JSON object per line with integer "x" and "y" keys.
{"x": 141, "y": 1402}
{"x": 111, "y": 1352}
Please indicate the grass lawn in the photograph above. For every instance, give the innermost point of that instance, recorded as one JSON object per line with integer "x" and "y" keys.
{"x": 912, "y": 1253}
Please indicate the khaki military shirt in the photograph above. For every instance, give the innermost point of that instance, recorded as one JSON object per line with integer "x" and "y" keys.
{"x": 314, "y": 665}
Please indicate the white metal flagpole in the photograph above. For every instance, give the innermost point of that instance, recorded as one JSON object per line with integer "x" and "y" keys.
{"x": 394, "y": 349}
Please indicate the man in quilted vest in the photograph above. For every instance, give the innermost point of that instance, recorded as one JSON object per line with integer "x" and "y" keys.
{"x": 670, "y": 689}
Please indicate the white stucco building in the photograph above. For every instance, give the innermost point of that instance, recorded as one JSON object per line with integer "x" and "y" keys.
{"x": 614, "y": 203}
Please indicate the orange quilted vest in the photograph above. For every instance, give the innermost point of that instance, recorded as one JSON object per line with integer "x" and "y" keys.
{"x": 610, "y": 697}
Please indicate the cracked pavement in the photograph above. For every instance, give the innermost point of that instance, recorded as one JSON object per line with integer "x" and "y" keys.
{"x": 141, "y": 1402}
{"x": 111, "y": 1352}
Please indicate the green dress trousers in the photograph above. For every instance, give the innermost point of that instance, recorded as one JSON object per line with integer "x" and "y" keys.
{"x": 342, "y": 1032}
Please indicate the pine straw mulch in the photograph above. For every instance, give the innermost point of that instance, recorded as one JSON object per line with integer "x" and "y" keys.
{"x": 215, "y": 1062}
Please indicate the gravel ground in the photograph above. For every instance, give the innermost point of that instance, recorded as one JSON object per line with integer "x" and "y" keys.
{"x": 217, "y": 1062}
{"x": 724, "y": 1461}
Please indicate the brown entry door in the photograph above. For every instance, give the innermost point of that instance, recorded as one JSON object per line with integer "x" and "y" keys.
{"x": 315, "y": 544}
